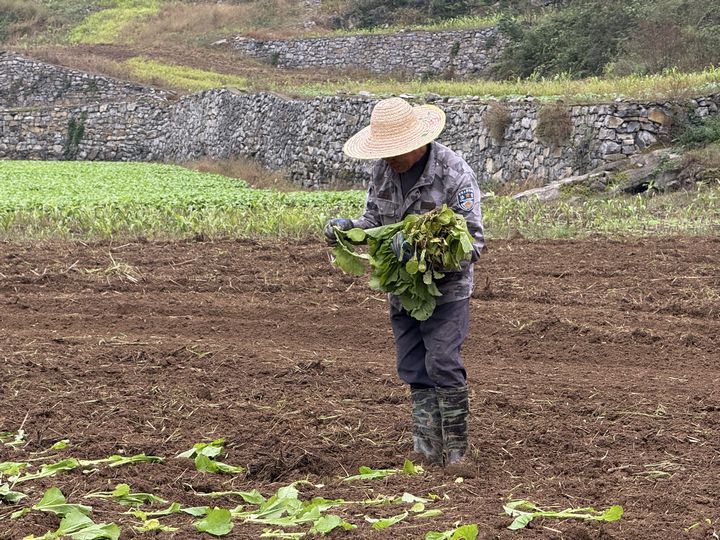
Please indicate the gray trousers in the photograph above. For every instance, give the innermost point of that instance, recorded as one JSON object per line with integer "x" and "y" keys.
{"x": 428, "y": 352}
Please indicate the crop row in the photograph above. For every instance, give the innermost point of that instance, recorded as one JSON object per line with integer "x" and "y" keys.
{"x": 96, "y": 200}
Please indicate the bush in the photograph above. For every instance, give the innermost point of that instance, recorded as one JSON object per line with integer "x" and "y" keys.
{"x": 700, "y": 133}
{"x": 554, "y": 124}
{"x": 683, "y": 34}
{"x": 497, "y": 119}
{"x": 579, "y": 40}
{"x": 20, "y": 17}
{"x": 372, "y": 13}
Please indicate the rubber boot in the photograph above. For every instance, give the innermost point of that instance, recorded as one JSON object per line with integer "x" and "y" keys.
{"x": 426, "y": 425}
{"x": 453, "y": 404}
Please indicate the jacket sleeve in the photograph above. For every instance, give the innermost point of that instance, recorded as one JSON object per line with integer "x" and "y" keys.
{"x": 466, "y": 202}
{"x": 371, "y": 216}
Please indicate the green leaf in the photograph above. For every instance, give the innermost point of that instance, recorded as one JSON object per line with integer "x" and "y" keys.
{"x": 122, "y": 494}
{"x": 229, "y": 469}
{"x": 366, "y": 473}
{"x": 97, "y": 532}
{"x": 53, "y": 501}
{"x": 118, "y": 461}
{"x": 250, "y": 497}
{"x": 465, "y": 532}
{"x": 217, "y": 522}
{"x": 345, "y": 258}
{"x": 430, "y": 513}
{"x": 10, "y": 496}
{"x": 329, "y": 523}
{"x": 78, "y": 526}
{"x": 20, "y": 513}
{"x": 73, "y": 522}
{"x": 60, "y": 445}
{"x": 614, "y": 513}
{"x": 524, "y": 512}
{"x": 154, "y": 525}
{"x": 386, "y": 522}
{"x": 51, "y": 469}
{"x": 204, "y": 464}
{"x": 410, "y": 468}
{"x": 269, "y": 533}
{"x": 521, "y": 521}
{"x": 356, "y": 235}
{"x": 409, "y": 497}
{"x": 174, "y": 508}
{"x": 211, "y": 449}
{"x": 423, "y": 312}
{"x": 196, "y": 511}
{"x": 18, "y": 438}
{"x": 12, "y": 468}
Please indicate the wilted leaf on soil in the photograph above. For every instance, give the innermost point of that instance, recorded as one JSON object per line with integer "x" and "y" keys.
{"x": 117, "y": 460}
{"x": 211, "y": 449}
{"x": 217, "y": 522}
{"x": 7, "y": 495}
{"x": 54, "y": 501}
{"x": 524, "y": 512}
{"x": 384, "y": 523}
{"x": 465, "y": 532}
{"x": 153, "y": 525}
{"x": 122, "y": 494}
{"x": 329, "y": 523}
{"x": 51, "y": 469}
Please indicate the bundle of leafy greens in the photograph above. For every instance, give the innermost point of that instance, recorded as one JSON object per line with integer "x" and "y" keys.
{"x": 439, "y": 242}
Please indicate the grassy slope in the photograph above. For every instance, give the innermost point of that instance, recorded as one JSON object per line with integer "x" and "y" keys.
{"x": 169, "y": 44}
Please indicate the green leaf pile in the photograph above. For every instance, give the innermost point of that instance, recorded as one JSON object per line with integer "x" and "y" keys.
{"x": 440, "y": 241}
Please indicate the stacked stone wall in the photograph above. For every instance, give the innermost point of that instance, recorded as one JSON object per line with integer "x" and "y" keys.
{"x": 305, "y": 137}
{"x": 134, "y": 131}
{"x": 27, "y": 83}
{"x": 456, "y": 53}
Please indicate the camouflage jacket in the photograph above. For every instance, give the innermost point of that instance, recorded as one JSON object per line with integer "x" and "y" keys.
{"x": 447, "y": 179}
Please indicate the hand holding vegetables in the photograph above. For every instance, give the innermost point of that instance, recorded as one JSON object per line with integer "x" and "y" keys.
{"x": 437, "y": 240}
{"x": 401, "y": 247}
{"x": 342, "y": 224}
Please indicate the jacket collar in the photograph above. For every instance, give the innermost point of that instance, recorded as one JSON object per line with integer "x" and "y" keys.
{"x": 426, "y": 179}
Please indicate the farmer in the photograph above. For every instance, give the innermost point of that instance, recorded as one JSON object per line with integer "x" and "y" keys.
{"x": 412, "y": 175}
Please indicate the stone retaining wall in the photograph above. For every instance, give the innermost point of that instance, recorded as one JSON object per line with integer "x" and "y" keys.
{"x": 134, "y": 131}
{"x": 457, "y": 53}
{"x": 27, "y": 83}
{"x": 305, "y": 137}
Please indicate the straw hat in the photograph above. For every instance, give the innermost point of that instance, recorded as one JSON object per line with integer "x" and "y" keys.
{"x": 395, "y": 128}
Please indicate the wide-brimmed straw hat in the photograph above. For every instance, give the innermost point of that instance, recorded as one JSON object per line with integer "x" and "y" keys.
{"x": 396, "y": 127}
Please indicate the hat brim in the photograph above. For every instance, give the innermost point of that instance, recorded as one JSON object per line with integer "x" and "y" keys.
{"x": 430, "y": 123}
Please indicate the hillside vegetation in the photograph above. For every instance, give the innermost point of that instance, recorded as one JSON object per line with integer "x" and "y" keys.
{"x": 574, "y": 38}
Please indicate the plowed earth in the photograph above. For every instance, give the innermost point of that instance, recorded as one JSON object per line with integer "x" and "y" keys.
{"x": 593, "y": 367}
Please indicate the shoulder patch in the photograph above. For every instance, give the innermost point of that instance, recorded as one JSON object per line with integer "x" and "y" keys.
{"x": 466, "y": 199}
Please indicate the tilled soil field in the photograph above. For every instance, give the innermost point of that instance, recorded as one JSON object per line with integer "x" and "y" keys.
{"x": 593, "y": 367}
